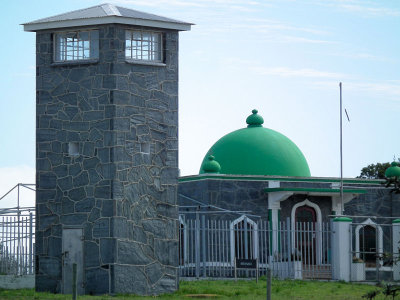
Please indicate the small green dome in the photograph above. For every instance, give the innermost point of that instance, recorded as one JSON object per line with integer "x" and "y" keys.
{"x": 211, "y": 165}
{"x": 393, "y": 170}
{"x": 256, "y": 150}
{"x": 254, "y": 120}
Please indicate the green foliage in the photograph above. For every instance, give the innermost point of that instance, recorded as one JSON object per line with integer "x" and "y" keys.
{"x": 371, "y": 295}
{"x": 374, "y": 171}
{"x": 390, "y": 290}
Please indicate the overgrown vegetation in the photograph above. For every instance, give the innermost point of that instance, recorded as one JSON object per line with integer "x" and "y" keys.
{"x": 229, "y": 289}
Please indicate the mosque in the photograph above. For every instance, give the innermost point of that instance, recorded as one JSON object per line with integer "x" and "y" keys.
{"x": 256, "y": 174}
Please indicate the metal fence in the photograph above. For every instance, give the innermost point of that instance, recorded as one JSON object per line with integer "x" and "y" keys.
{"x": 211, "y": 248}
{"x": 16, "y": 244}
{"x": 17, "y": 230}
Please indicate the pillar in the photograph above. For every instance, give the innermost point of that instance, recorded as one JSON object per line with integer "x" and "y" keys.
{"x": 396, "y": 245}
{"x": 341, "y": 248}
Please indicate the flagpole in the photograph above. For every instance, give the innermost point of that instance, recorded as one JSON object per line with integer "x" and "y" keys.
{"x": 341, "y": 153}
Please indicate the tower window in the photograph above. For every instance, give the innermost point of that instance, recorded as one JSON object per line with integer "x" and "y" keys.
{"x": 73, "y": 149}
{"x": 145, "y": 148}
{"x": 143, "y": 45}
{"x": 76, "y": 45}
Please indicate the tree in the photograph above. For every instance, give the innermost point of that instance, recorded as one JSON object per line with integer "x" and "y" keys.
{"x": 374, "y": 171}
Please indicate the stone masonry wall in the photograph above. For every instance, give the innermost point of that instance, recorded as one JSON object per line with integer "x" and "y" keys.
{"x": 124, "y": 199}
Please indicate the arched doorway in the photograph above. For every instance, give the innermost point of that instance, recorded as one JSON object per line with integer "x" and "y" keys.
{"x": 305, "y": 220}
{"x": 368, "y": 245}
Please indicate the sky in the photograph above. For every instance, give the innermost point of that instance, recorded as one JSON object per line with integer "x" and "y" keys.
{"x": 282, "y": 57}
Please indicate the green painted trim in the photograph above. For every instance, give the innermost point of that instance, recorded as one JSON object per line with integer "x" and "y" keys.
{"x": 328, "y": 191}
{"x": 277, "y": 178}
{"x": 396, "y": 221}
{"x": 342, "y": 219}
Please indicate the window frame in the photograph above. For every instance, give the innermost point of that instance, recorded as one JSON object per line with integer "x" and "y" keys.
{"x": 159, "y": 52}
{"x": 94, "y": 52}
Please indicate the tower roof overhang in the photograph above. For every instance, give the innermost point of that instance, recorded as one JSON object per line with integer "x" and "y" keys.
{"x": 106, "y": 14}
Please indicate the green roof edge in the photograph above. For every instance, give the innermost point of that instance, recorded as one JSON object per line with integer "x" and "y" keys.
{"x": 278, "y": 178}
{"x": 348, "y": 191}
{"x": 342, "y": 219}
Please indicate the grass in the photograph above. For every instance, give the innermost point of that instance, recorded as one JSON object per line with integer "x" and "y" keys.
{"x": 228, "y": 289}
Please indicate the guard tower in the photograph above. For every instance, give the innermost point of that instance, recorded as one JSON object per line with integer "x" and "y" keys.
{"x": 107, "y": 151}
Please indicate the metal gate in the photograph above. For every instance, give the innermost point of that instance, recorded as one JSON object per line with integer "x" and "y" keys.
{"x": 372, "y": 257}
{"x": 209, "y": 247}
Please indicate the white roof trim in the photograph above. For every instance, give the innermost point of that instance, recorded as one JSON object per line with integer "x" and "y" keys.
{"x": 106, "y": 20}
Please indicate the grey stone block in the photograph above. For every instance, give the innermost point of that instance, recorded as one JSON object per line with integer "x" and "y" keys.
{"x": 47, "y": 180}
{"x": 74, "y": 169}
{"x": 77, "y": 194}
{"x": 97, "y": 281}
{"x": 46, "y": 221}
{"x": 132, "y": 253}
{"x": 108, "y": 250}
{"x": 92, "y": 254}
{"x": 77, "y": 74}
{"x": 81, "y": 180}
{"x": 102, "y": 192}
{"x": 107, "y": 208}
{"x": 73, "y": 219}
{"x": 90, "y": 163}
{"x": 85, "y": 205}
{"x": 101, "y": 228}
{"x": 154, "y": 272}
{"x": 166, "y": 252}
{"x": 54, "y": 247}
{"x": 130, "y": 279}
{"x": 94, "y": 214}
{"x": 119, "y": 227}
{"x": 50, "y": 266}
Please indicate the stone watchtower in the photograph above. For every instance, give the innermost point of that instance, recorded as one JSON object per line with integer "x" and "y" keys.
{"x": 107, "y": 151}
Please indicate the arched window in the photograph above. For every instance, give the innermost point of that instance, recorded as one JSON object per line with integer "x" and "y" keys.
{"x": 369, "y": 241}
{"x": 244, "y": 239}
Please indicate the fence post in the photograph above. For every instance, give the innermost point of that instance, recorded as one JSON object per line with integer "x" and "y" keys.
{"x": 395, "y": 246}
{"x": 203, "y": 242}
{"x": 74, "y": 281}
{"x": 30, "y": 244}
{"x": 197, "y": 241}
{"x": 269, "y": 279}
{"x": 341, "y": 250}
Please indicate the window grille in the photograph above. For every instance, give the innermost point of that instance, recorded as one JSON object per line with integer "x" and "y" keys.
{"x": 143, "y": 45}
{"x": 79, "y": 45}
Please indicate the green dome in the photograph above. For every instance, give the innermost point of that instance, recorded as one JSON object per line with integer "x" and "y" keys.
{"x": 211, "y": 165}
{"x": 256, "y": 150}
{"x": 393, "y": 170}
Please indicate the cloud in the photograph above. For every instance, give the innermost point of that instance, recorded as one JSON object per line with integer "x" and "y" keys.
{"x": 290, "y": 72}
{"x": 380, "y": 90}
{"x": 235, "y": 4}
{"x": 370, "y": 11}
{"x": 365, "y": 8}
